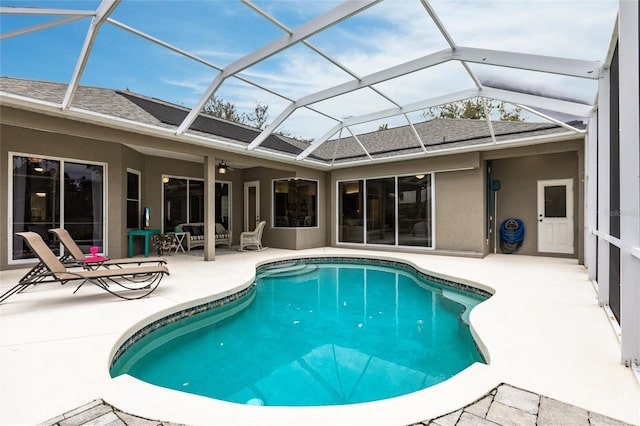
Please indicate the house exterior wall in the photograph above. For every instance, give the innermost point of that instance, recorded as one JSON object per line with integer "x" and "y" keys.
{"x": 459, "y": 183}
{"x": 517, "y": 198}
{"x": 42, "y": 135}
{"x": 460, "y": 211}
{"x": 27, "y": 141}
{"x": 289, "y": 238}
{"x": 459, "y": 198}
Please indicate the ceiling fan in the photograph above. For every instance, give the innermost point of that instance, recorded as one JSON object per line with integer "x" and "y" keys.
{"x": 223, "y": 167}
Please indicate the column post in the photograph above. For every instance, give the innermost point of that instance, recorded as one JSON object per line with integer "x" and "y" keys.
{"x": 209, "y": 208}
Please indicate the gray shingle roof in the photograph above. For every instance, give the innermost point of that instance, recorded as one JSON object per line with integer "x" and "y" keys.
{"x": 435, "y": 134}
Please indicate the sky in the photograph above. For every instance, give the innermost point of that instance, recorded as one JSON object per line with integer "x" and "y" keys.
{"x": 389, "y": 33}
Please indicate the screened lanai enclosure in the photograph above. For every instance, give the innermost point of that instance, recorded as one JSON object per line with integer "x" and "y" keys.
{"x": 327, "y": 71}
{"x": 334, "y": 87}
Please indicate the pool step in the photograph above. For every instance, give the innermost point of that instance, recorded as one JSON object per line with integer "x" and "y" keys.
{"x": 287, "y": 270}
{"x": 467, "y": 301}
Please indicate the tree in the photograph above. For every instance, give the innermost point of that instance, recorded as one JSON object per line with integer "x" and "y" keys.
{"x": 258, "y": 118}
{"x": 223, "y": 109}
{"x": 228, "y": 111}
{"x": 473, "y": 109}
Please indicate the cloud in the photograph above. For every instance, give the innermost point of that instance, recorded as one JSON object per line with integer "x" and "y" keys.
{"x": 387, "y": 34}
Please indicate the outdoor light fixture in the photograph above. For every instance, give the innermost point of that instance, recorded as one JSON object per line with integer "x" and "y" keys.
{"x": 419, "y": 176}
{"x": 165, "y": 179}
{"x": 222, "y": 167}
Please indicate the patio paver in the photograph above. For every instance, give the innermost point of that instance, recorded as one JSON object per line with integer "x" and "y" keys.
{"x": 491, "y": 410}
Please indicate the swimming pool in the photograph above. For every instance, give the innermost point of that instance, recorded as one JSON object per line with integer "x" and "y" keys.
{"x": 312, "y": 332}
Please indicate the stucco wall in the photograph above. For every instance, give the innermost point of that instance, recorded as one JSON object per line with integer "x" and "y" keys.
{"x": 459, "y": 197}
{"x": 288, "y": 238}
{"x": 460, "y": 211}
{"x": 518, "y": 195}
{"x": 26, "y": 141}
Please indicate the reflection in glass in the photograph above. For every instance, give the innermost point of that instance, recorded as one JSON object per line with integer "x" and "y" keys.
{"x": 351, "y": 211}
{"x": 295, "y": 203}
{"x": 414, "y": 210}
{"x": 555, "y": 201}
{"x": 36, "y": 201}
{"x": 412, "y": 200}
{"x": 83, "y": 204}
{"x": 222, "y": 204}
{"x": 381, "y": 223}
{"x": 175, "y": 203}
{"x": 133, "y": 200}
{"x": 196, "y": 201}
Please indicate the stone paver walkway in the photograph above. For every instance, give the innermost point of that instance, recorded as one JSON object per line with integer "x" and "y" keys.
{"x": 506, "y": 405}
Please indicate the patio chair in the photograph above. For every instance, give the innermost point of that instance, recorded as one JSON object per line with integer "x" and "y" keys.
{"x": 253, "y": 238}
{"x": 141, "y": 280}
{"x": 75, "y": 257}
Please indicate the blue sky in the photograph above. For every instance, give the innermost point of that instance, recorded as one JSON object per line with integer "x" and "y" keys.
{"x": 386, "y": 34}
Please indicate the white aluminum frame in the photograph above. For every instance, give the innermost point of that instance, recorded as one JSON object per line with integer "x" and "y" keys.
{"x": 273, "y": 203}
{"x": 396, "y": 245}
{"x": 105, "y": 186}
{"x": 584, "y": 69}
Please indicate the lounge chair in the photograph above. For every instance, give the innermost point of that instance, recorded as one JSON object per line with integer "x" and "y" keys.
{"x": 141, "y": 280}
{"x": 253, "y": 238}
{"x": 75, "y": 257}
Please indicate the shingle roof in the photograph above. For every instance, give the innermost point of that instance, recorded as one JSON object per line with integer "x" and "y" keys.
{"x": 435, "y": 134}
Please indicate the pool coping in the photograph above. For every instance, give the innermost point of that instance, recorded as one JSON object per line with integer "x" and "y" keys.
{"x": 543, "y": 326}
{"x": 443, "y": 394}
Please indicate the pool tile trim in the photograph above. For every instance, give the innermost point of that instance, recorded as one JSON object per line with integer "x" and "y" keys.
{"x": 185, "y": 313}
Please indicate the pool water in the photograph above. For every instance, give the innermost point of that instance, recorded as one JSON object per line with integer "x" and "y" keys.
{"x": 314, "y": 333}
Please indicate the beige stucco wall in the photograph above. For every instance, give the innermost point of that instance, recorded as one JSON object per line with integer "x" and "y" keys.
{"x": 43, "y": 135}
{"x": 459, "y": 198}
{"x": 26, "y": 141}
{"x": 517, "y": 197}
{"x": 289, "y": 238}
{"x": 460, "y": 208}
{"x": 459, "y": 182}
{"x": 519, "y": 171}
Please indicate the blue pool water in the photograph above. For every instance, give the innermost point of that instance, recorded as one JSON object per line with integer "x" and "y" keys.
{"x": 314, "y": 333}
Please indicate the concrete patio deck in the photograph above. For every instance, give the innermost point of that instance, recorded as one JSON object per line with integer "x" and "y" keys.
{"x": 543, "y": 330}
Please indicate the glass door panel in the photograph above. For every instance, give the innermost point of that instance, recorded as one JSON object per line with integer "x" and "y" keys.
{"x": 381, "y": 221}
{"x": 36, "y": 201}
{"x": 83, "y": 204}
{"x": 414, "y": 210}
{"x": 351, "y": 211}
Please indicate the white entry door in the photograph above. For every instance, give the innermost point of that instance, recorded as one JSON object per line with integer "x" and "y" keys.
{"x": 555, "y": 216}
{"x": 251, "y": 205}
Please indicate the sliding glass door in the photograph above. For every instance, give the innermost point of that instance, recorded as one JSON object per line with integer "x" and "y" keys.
{"x": 398, "y": 211}
{"x": 51, "y": 193}
{"x": 184, "y": 202}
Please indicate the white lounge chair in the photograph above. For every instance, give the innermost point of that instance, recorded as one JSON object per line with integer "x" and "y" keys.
{"x": 253, "y": 238}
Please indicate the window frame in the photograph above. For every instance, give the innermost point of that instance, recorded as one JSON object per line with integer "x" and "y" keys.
{"x": 62, "y": 160}
{"x": 222, "y": 182}
{"x": 273, "y": 202}
{"x": 366, "y": 243}
{"x": 139, "y": 199}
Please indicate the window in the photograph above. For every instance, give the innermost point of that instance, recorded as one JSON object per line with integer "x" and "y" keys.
{"x": 50, "y": 193}
{"x": 133, "y": 199}
{"x": 184, "y": 202}
{"x": 414, "y": 211}
{"x": 398, "y": 211}
{"x": 295, "y": 203}
{"x": 223, "y": 197}
{"x": 351, "y": 208}
{"x": 381, "y": 202}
